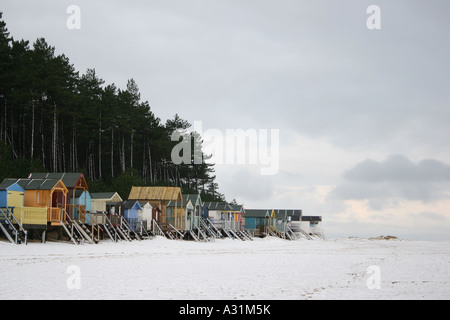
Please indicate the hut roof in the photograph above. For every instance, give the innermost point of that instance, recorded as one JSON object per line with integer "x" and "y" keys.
{"x": 312, "y": 218}
{"x": 6, "y": 183}
{"x": 258, "y": 213}
{"x": 155, "y": 193}
{"x": 40, "y": 184}
{"x": 70, "y": 179}
{"x": 193, "y": 197}
{"x": 144, "y": 203}
{"x": 279, "y": 213}
{"x": 104, "y": 195}
{"x": 79, "y": 193}
{"x": 223, "y": 206}
{"x": 186, "y": 198}
{"x": 131, "y": 204}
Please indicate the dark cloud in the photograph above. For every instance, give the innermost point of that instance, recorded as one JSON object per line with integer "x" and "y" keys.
{"x": 395, "y": 178}
{"x": 398, "y": 168}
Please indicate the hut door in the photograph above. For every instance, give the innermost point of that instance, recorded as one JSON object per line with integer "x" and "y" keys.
{"x": 15, "y": 199}
{"x": 57, "y": 199}
{"x": 155, "y": 214}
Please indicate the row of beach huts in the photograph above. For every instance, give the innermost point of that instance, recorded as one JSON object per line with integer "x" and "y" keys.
{"x": 59, "y": 207}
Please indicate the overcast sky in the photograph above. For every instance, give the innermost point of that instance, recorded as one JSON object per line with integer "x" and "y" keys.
{"x": 363, "y": 115}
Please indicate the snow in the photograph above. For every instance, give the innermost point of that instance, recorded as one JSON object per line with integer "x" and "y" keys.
{"x": 263, "y": 269}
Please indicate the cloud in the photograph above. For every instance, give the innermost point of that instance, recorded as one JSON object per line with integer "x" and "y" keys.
{"x": 244, "y": 183}
{"x": 310, "y": 67}
{"x": 399, "y": 168}
{"x": 430, "y": 216}
{"x": 395, "y": 178}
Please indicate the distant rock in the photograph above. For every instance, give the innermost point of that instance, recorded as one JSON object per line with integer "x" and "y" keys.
{"x": 384, "y": 238}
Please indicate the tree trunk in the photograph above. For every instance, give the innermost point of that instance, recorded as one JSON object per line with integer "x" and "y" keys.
{"x": 150, "y": 164}
{"x": 90, "y": 160}
{"x": 100, "y": 151}
{"x": 131, "y": 148}
{"x": 72, "y": 149}
{"x": 122, "y": 155}
{"x": 144, "y": 165}
{"x": 11, "y": 138}
{"x": 32, "y": 128}
{"x": 4, "y": 120}
{"x": 41, "y": 129}
{"x": 63, "y": 149}
{"x": 100, "y": 146}
{"x": 112, "y": 152}
{"x": 54, "y": 139}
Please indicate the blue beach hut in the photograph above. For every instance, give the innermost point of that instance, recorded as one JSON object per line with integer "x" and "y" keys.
{"x": 131, "y": 212}
{"x": 11, "y": 194}
{"x": 82, "y": 197}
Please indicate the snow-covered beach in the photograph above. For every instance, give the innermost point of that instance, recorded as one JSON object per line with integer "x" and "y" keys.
{"x": 263, "y": 269}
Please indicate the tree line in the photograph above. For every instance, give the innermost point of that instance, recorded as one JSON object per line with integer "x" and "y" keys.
{"x": 54, "y": 119}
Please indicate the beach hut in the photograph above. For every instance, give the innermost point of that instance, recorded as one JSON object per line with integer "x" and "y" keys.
{"x": 196, "y": 201}
{"x": 73, "y": 182}
{"x": 185, "y": 209}
{"x": 82, "y": 197}
{"x": 281, "y": 221}
{"x": 238, "y": 212}
{"x": 197, "y": 206}
{"x": 286, "y": 215}
{"x": 195, "y": 223}
{"x": 227, "y": 218}
{"x": 146, "y": 214}
{"x": 132, "y": 209}
{"x": 217, "y": 213}
{"x": 106, "y": 202}
{"x": 11, "y": 194}
{"x": 193, "y": 209}
{"x": 159, "y": 197}
{"x": 16, "y": 219}
{"x": 51, "y": 195}
{"x": 276, "y": 222}
{"x": 224, "y": 215}
{"x": 311, "y": 225}
{"x": 46, "y": 193}
{"x": 256, "y": 220}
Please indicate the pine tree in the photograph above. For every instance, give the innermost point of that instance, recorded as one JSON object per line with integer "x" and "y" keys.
{"x": 5, "y": 75}
{"x": 53, "y": 119}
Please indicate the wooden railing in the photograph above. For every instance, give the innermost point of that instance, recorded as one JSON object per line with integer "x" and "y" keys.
{"x": 31, "y": 215}
{"x": 95, "y": 218}
{"x": 156, "y": 229}
{"x": 232, "y": 225}
{"x": 178, "y": 222}
{"x": 77, "y": 212}
{"x": 54, "y": 214}
{"x": 114, "y": 219}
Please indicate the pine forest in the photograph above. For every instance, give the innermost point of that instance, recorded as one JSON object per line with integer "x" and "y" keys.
{"x": 54, "y": 119}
